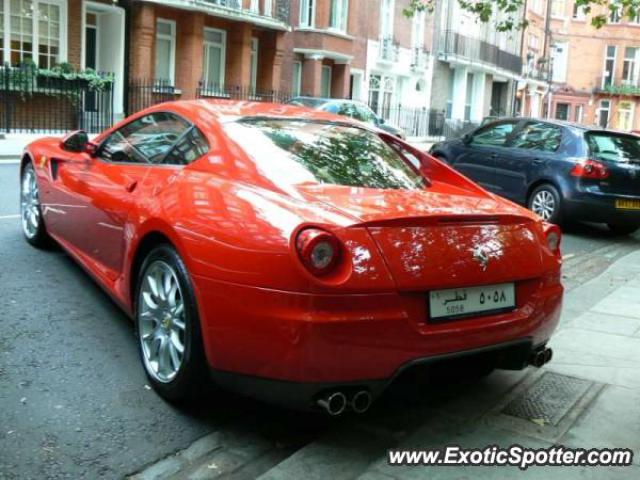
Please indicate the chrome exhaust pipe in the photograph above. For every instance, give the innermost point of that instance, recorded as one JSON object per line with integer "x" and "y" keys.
{"x": 334, "y": 403}
{"x": 361, "y": 401}
{"x": 541, "y": 357}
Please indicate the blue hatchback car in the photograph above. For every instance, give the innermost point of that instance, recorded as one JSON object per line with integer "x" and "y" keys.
{"x": 559, "y": 170}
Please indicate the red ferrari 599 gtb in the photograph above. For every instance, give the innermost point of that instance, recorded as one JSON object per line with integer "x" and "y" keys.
{"x": 293, "y": 255}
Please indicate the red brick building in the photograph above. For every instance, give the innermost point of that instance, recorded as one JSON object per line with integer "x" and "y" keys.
{"x": 593, "y": 74}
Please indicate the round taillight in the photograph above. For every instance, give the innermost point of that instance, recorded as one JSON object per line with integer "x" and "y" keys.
{"x": 319, "y": 250}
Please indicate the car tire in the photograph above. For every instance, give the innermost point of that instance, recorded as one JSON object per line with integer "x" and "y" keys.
{"x": 623, "y": 229}
{"x": 168, "y": 326}
{"x": 546, "y": 202}
{"x": 31, "y": 218}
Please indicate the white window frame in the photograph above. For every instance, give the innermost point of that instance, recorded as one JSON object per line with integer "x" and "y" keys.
{"x": 63, "y": 33}
{"x": 635, "y": 62}
{"x": 255, "y": 48}
{"x": 306, "y": 20}
{"x": 418, "y": 29}
{"x": 560, "y": 5}
{"x": 614, "y": 17}
{"x": 604, "y": 66}
{"x": 339, "y": 10}
{"x": 268, "y": 8}
{"x": 326, "y": 68}
{"x": 559, "y": 75}
{"x": 172, "y": 54}
{"x": 223, "y": 56}
{"x": 296, "y": 78}
{"x": 631, "y": 111}
{"x": 608, "y": 110}
{"x": 579, "y": 14}
{"x": 387, "y": 19}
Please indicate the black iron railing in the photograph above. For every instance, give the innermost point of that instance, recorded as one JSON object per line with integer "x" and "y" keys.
{"x": 47, "y": 101}
{"x": 617, "y": 87}
{"x": 278, "y": 9}
{"x": 476, "y": 50}
{"x": 241, "y": 92}
{"x": 143, "y": 93}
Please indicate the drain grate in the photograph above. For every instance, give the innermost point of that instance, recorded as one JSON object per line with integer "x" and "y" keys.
{"x": 549, "y": 399}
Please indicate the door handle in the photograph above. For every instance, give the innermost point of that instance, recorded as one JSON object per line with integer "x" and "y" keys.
{"x": 538, "y": 161}
{"x": 131, "y": 186}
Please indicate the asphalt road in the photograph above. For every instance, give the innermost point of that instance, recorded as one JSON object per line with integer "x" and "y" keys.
{"x": 73, "y": 397}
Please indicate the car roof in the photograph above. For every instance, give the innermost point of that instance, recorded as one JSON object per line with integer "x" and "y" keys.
{"x": 578, "y": 127}
{"x": 232, "y": 110}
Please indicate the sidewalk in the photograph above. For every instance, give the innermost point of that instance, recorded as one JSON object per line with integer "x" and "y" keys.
{"x": 587, "y": 397}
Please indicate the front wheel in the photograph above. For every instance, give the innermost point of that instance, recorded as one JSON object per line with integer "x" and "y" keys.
{"x": 168, "y": 326}
{"x": 33, "y": 226}
{"x": 546, "y": 202}
{"x": 618, "y": 229}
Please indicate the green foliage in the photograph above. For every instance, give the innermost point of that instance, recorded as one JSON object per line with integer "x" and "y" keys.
{"x": 485, "y": 10}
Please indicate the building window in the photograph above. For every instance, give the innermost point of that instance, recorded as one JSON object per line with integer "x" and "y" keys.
{"x": 625, "y": 116}
{"x": 165, "y": 50}
{"x": 307, "y": 13}
{"x": 325, "y": 83}
{"x": 339, "y": 15}
{"x": 579, "y": 12}
{"x": 254, "y": 6}
{"x": 557, "y": 8}
{"x": 33, "y": 30}
{"x": 417, "y": 30}
{"x": 579, "y": 114}
{"x": 386, "y": 19}
{"x": 614, "y": 15}
{"x": 603, "y": 113}
{"x": 254, "y": 64}
{"x": 562, "y": 111}
{"x": 630, "y": 66}
{"x": 468, "y": 98}
{"x": 214, "y": 57}
{"x": 560, "y": 54}
{"x": 609, "y": 66}
{"x": 296, "y": 87}
{"x": 268, "y": 8}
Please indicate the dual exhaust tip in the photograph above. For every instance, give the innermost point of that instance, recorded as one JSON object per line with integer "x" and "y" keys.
{"x": 336, "y": 403}
{"x": 541, "y": 357}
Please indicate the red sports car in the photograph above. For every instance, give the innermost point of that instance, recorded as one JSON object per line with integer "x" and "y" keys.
{"x": 296, "y": 256}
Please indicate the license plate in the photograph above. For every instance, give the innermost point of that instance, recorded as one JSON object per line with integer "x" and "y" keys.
{"x": 628, "y": 204}
{"x": 463, "y": 302}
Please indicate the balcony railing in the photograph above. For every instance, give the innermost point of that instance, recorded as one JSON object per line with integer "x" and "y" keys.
{"x": 419, "y": 58}
{"x": 276, "y": 9}
{"x": 389, "y": 50}
{"x": 619, "y": 87}
{"x": 476, "y": 50}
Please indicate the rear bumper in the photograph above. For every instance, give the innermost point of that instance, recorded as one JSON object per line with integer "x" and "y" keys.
{"x": 343, "y": 339}
{"x": 592, "y": 205}
{"x": 512, "y": 355}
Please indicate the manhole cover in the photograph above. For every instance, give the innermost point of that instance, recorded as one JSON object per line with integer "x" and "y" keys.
{"x": 549, "y": 399}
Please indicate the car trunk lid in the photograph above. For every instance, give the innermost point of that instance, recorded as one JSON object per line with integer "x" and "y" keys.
{"x": 432, "y": 239}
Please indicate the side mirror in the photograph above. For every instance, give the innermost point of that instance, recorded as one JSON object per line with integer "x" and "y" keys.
{"x": 75, "y": 141}
{"x": 467, "y": 138}
{"x": 380, "y": 120}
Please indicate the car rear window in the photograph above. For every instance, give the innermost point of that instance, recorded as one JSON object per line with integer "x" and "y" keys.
{"x": 613, "y": 147}
{"x": 303, "y": 151}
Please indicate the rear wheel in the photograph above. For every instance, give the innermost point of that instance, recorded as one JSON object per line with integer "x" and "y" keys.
{"x": 546, "y": 202}
{"x": 623, "y": 229}
{"x": 30, "y": 212}
{"x": 168, "y": 326}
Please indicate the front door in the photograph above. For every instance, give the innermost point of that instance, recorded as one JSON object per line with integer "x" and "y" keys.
{"x": 528, "y": 153}
{"x": 481, "y": 150}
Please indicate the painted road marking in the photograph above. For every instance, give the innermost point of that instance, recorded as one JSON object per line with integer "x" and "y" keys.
{"x": 7, "y": 217}
{"x": 10, "y": 161}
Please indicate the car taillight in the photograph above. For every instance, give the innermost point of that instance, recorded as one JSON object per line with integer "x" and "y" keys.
{"x": 553, "y": 235}
{"x": 590, "y": 169}
{"x": 319, "y": 250}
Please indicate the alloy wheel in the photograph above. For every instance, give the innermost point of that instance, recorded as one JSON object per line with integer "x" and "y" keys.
{"x": 161, "y": 321}
{"x": 544, "y": 204}
{"x": 30, "y": 203}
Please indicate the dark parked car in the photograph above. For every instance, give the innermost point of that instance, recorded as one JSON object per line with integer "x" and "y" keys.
{"x": 350, "y": 108}
{"x": 559, "y": 170}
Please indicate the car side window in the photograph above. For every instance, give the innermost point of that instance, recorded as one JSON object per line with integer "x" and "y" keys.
{"x": 538, "y": 136}
{"x": 494, "y": 135}
{"x": 145, "y": 140}
{"x": 363, "y": 114}
{"x": 189, "y": 148}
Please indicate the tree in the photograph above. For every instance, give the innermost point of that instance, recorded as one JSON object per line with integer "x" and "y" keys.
{"x": 511, "y": 18}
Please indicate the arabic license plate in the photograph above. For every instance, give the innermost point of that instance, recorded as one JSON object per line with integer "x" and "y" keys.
{"x": 628, "y": 204}
{"x": 463, "y": 302}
